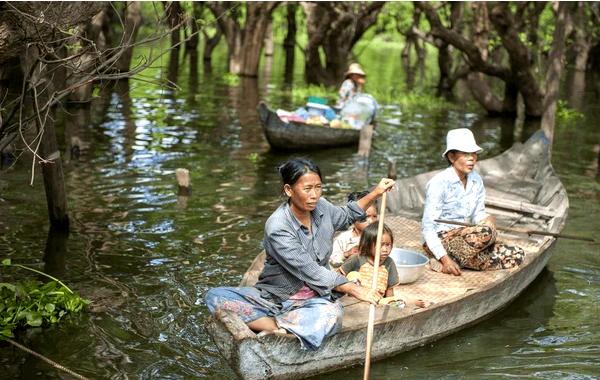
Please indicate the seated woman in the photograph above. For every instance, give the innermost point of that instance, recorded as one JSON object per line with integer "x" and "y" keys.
{"x": 354, "y": 82}
{"x": 296, "y": 292}
{"x": 458, "y": 194}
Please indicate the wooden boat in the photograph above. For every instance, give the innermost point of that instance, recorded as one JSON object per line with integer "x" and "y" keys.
{"x": 300, "y": 136}
{"x": 524, "y": 192}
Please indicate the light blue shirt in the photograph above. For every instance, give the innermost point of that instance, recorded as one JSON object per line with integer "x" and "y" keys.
{"x": 346, "y": 92}
{"x": 447, "y": 198}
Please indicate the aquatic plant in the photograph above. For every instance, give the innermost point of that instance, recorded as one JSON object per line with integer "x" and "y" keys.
{"x": 567, "y": 114}
{"x": 33, "y": 303}
{"x": 231, "y": 79}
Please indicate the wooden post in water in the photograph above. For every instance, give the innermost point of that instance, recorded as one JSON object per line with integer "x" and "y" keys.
{"x": 364, "y": 144}
{"x": 183, "y": 187}
{"x": 392, "y": 172}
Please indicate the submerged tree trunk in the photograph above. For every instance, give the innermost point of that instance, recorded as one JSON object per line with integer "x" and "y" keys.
{"x": 289, "y": 44}
{"x": 42, "y": 88}
{"x": 132, "y": 20}
{"x": 555, "y": 67}
{"x": 175, "y": 15}
{"x": 210, "y": 42}
{"x": 522, "y": 75}
{"x": 334, "y": 27}
{"x": 244, "y": 42}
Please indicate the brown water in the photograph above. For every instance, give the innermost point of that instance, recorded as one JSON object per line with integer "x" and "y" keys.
{"x": 146, "y": 257}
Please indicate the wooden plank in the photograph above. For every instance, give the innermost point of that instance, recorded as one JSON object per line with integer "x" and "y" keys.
{"x": 520, "y": 206}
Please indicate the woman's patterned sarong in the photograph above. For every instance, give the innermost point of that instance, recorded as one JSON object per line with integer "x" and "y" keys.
{"x": 476, "y": 248}
{"x": 311, "y": 320}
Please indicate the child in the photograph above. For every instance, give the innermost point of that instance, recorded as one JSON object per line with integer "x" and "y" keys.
{"x": 346, "y": 243}
{"x": 387, "y": 275}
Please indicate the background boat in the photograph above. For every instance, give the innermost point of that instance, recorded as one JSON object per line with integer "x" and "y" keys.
{"x": 301, "y": 136}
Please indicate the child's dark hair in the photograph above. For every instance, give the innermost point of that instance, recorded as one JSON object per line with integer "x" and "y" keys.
{"x": 368, "y": 239}
{"x": 356, "y": 195}
{"x": 294, "y": 168}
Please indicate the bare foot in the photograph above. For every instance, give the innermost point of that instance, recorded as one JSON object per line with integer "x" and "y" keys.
{"x": 278, "y": 332}
{"x": 416, "y": 302}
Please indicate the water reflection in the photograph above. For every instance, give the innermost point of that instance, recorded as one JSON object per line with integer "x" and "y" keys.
{"x": 55, "y": 252}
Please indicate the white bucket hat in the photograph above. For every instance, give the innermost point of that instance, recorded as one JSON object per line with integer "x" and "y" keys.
{"x": 461, "y": 139}
{"x": 354, "y": 68}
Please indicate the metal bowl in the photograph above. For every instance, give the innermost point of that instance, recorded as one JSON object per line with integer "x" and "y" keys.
{"x": 410, "y": 264}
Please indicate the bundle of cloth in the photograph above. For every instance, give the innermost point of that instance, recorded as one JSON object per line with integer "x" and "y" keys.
{"x": 357, "y": 112}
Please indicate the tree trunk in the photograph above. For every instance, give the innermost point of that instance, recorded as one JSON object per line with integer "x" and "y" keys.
{"x": 445, "y": 67}
{"x": 268, "y": 41}
{"x": 258, "y": 22}
{"x": 52, "y": 170}
{"x": 334, "y": 27}
{"x": 521, "y": 68}
{"x": 175, "y": 15}
{"x": 209, "y": 45}
{"x": 244, "y": 42}
{"x": 289, "y": 43}
{"x": 555, "y": 65}
{"x": 132, "y": 21}
{"x": 191, "y": 45}
{"x": 477, "y": 82}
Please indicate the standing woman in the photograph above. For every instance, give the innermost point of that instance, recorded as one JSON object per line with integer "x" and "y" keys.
{"x": 458, "y": 194}
{"x": 352, "y": 85}
{"x": 296, "y": 292}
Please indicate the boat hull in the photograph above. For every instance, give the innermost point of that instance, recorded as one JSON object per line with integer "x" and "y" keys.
{"x": 298, "y": 136}
{"x": 276, "y": 357}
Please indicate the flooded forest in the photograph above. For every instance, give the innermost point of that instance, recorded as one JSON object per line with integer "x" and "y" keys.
{"x": 135, "y": 173}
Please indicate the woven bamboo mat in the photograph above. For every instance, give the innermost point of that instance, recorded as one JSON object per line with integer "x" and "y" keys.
{"x": 436, "y": 287}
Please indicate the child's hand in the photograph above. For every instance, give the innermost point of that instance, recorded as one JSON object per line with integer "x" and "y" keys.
{"x": 351, "y": 251}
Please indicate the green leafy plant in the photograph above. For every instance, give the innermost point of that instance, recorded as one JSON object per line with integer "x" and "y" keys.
{"x": 231, "y": 79}
{"x": 253, "y": 158}
{"x": 567, "y": 114}
{"x": 32, "y": 303}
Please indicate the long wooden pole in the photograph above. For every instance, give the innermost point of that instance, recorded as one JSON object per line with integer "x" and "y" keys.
{"x": 371, "y": 323}
{"x": 522, "y": 231}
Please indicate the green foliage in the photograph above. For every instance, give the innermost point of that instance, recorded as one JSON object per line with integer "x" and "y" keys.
{"x": 412, "y": 100}
{"x": 31, "y": 303}
{"x": 395, "y": 17}
{"x": 231, "y": 79}
{"x": 566, "y": 114}
{"x": 253, "y": 158}
{"x": 301, "y": 94}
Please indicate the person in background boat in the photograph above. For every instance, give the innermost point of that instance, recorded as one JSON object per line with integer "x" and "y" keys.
{"x": 296, "y": 292}
{"x": 458, "y": 194}
{"x": 346, "y": 243}
{"x": 352, "y": 85}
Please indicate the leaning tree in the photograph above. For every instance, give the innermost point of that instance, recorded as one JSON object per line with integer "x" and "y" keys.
{"x": 496, "y": 49}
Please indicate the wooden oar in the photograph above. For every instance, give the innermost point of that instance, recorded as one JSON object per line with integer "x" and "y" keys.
{"x": 522, "y": 231}
{"x": 371, "y": 322}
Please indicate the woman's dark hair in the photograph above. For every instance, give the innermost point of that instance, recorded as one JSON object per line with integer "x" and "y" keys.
{"x": 446, "y": 156}
{"x": 294, "y": 168}
{"x": 356, "y": 195}
{"x": 368, "y": 239}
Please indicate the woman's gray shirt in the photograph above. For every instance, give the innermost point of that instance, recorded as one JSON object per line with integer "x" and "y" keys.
{"x": 296, "y": 257}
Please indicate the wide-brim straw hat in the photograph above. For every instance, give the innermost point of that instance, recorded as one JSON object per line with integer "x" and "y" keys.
{"x": 355, "y": 68}
{"x": 461, "y": 139}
